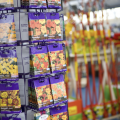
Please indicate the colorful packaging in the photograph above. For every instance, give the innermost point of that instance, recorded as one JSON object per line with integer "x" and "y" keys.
{"x": 59, "y": 113}
{"x": 53, "y": 27}
{"x": 43, "y": 92}
{"x": 37, "y": 27}
{"x": 58, "y": 88}
{"x": 57, "y": 58}
{"x": 7, "y": 29}
{"x": 37, "y": 4}
{"x": 54, "y": 3}
{"x": 88, "y": 113}
{"x": 8, "y": 64}
{"x": 6, "y": 4}
{"x": 9, "y": 98}
{"x": 42, "y": 115}
{"x": 39, "y": 62}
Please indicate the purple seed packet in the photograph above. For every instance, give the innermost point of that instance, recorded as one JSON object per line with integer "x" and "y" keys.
{"x": 9, "y": 98}
{"x": 39, "y": 62}
{"x": 8, "y": 64}
{"x": 57, "y": 58}
{"x": 16, "y": 118}
{"x": 7, "y": 29}
{"x": 58, "y": 88}
{"x": 8, "y": 4}
{"x": 59, "y": 113}
{"x": 37, "y": 4}
{"x": 53, "y": 27}
{"x": 5, "y": 118}
{"x": 37, "y": 27}
{"x": 54, "y": 4}
{"x": 43, "y": 92}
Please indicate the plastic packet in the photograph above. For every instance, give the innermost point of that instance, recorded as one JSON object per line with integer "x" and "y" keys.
{"x": 8, "y": 64}
{"x": 37, "y": 4}
{"x": 58, "y": 88}
{"x": 37, "y": 27}
{"x": 7, "y": 29}
{"x": 53, "y": 27}
{"x": 43, "y": 92}
{"x": 57, "y": 58}
{"x": 59, "y": 113}
{"x": 54, "y": 4}
{"x": 42, "y": 115}
{"x": 39, "y": 62}
{"x": 9, "y": 98}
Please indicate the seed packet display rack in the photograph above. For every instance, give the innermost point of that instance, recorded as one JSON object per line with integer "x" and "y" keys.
{"x": 27, "y": 43}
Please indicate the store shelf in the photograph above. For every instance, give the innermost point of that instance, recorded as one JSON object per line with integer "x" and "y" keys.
{"x": 81, "y": 57}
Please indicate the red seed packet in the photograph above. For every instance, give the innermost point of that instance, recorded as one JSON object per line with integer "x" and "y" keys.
{"x": 53, "y": 27}
{"x": 43, "y": 92}
{"x": 58, "y": 88}
{"x": 37, "y": 27}
{"x": 39, "y": 62}
{"x": 57, "y": 58}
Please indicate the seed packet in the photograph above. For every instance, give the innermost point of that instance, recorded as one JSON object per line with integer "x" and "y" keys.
{"x": 8, "y": 64}
{"x": 39, "y": 62}
{"x": 9, "y": 98}
{"x": 99, "y": 111}
{"x": 43, "y": 92}
{"x": 7, "y": 29}
{"x": 42, "y": 115}
{"x": 37, "y": 27}
{"x": 58, "y": 88}
{"x": 88, "y": 113}
{"x": 53, "y": 26}
{"x": 37, "y": 4}
{"x": 59, "y": 113}
{"x": 54, "y": 3}
{"x": 6, "y": 4}
{"x": 57, "y": 58}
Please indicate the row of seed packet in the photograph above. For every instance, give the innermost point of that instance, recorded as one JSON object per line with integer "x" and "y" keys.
{"x": 8, "y": 64}
{"x": 47, "y": 59}
{"x": 44, "y": 26}
{"x": 9, "y": 98}
{"x": 56, "y": 113}
{"x": 44, "y": 92}
{"x": 7, "y": 29}
{"x": 41, "y": 4}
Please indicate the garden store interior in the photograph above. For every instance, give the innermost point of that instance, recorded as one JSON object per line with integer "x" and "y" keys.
{"x": 59, "y": 59}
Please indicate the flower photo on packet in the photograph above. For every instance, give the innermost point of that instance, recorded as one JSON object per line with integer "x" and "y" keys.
{"x": 8, "y": 64}
{"x": 43, "y": 92}
{"x": 37, "y": 27}
{"x": 59, "y": 113}
{"x": 42, "y": 115}
{"x": 57, "y": 58}
{"x": 9, "y": 98}
{"x": 53, "y": 27}
{"x": 54, "y": 4}
{"x": 6, "y": 4}
{"x": 7, "y": 30}
{"x": 37, "y": 4}
{"x": 39, "y": 62}
{"x": 58, "y": 88}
